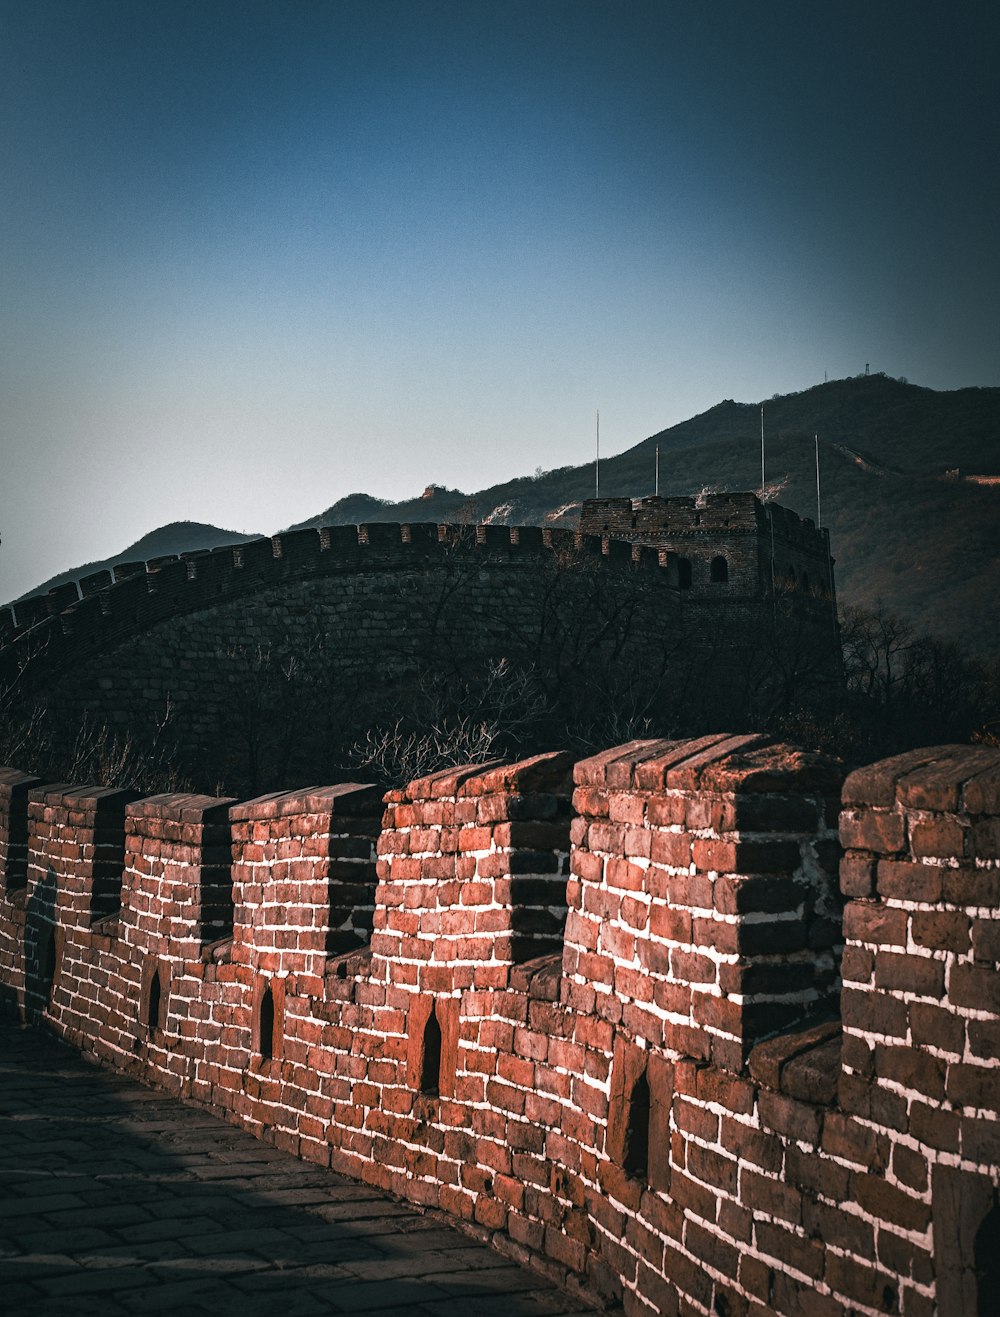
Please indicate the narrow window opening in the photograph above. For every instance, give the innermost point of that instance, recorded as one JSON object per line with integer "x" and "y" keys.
{"x": 267, "y": 1024}
{"x": 430, "y": 1073}
{"x": 790, "y": 580}
{"x": 986, "y": 1256}
{"x": 720, "y": 570}
{"x": 684, "y": 573}
{"x": 47, "y": 962}
{"x": 154, "y": 1005}
{"x": 636, "y": 1160}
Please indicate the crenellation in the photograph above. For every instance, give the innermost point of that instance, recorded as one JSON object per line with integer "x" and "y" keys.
{"x": 563, "y": 1002}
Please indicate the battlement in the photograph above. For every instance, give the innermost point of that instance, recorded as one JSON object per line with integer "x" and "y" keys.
{"x": 75, "y": 620}
{"x": 726, "y": 539}
{"x": 104, "y": 608}
{"x": 593, "y": 1009}
{"x": 174, "y": 583}
{"x": 378, "y": 610}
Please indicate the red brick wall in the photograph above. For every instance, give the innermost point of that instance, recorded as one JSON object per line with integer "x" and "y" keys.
{"x": 656, "y": 1100}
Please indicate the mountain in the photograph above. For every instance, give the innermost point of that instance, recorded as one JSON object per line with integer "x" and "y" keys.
{"x": 909, "y": 522}
{"x": 177, "y": 537}
{"x": 910, "y": 492}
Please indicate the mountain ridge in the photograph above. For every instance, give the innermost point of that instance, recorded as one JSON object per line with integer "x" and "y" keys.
{"x": 907, "y": 525}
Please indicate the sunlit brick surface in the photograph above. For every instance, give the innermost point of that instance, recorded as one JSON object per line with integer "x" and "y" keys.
{"x": 593, "y": 1009}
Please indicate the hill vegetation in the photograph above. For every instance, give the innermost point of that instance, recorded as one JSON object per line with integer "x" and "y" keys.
{"x": 909, "y": 527}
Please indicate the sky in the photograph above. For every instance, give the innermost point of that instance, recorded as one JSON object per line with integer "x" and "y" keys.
{"x": 259, "y": 254}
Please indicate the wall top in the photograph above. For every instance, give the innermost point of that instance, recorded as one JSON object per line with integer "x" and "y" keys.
{"x": 13, "y": 777}
{"x": 943, "y": 777}
{"x": 181, "y": 807}
{"x": 345, "y": 799}
{"x": 544, "y": 772}
{"x": 82, "y": 797}
{"x": 721, "y": 762}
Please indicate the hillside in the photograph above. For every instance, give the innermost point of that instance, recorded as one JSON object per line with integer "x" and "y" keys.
{"x": 907, "y": 524}
{"x": 902, "y": 529}
{"x": 177, "y": 537}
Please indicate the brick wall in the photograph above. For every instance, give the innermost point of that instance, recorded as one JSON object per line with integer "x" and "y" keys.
{"x": 590, "y": 1010}
{"x": 264, "y": 654}
{"x": 763, "y": 545}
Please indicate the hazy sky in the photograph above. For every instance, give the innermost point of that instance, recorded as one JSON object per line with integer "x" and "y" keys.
{"x": 258, "y": 254}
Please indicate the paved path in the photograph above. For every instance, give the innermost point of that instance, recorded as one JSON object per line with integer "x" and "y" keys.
{"x": 116, "y": 1199}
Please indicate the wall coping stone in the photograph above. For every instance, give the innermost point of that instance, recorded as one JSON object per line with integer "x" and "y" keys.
{"x": 346, "y": 798}
{"x": 86, "y": 797}
{"x": 768, "y": 1059}
{"x": 943, "y": 777}
{"x": 749, "y": 763}
{"x": 549, "y": 772}
{"x": 181, "y": 807}
{"x": 13, "y": 777}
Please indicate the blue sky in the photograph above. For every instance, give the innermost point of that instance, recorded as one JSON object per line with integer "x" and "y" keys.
{"x": 255, "y": 256}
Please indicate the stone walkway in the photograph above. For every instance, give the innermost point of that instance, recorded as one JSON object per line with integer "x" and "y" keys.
{"x": 116, "y": 1199}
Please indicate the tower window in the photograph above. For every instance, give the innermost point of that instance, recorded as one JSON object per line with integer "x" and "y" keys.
{"x": 720, "y": 570}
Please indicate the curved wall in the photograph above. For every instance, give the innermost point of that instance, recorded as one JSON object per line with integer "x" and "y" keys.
{"x": 272, "y": 657}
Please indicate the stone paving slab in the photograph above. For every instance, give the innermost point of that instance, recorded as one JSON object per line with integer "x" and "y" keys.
{"x": 115, "y": 1199}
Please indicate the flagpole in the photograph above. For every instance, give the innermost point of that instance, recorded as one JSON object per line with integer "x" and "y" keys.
{"x": 597, "y": 459}
{"x": 819, "y": 505}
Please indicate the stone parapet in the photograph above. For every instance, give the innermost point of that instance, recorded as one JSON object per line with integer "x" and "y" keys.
{"x": 661, "y": 1103}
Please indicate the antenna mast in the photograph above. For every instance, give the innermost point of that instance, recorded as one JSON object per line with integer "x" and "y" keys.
{"x": 656, "y": 485}
{"x": 762, "y": 452}
{"x": 597, "y": 459}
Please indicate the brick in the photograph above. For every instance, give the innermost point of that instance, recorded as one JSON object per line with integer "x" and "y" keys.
{"x": 878, "y": 924}
{"x": 880, "y": 831}
{"x": 976, "y": 986}
{"x": 793, "y": 1119}
{"x": 886, "y": 1202}
{"x": 861, "y": 1283}
{"x": 934, "y": 1127}
{"x": 904, "y": 881}
{"x": 916, "y": 974}
{"x": 936, "y": 1026}
{"x": 804, "y": 1255}
{"x": 873, "y": 1012}
{"x": 857, "y": 874}
{"x": 941, "y": 930}
{"x": 939, "y": 838}
{"x": 967, "y": 886}
{"x": 974, "y": 1086}
{"x": 910, "y": 1167}
{"x": 911, "y": 1068}
{"x": 986, "y": 941}
{"x": 710, "y": 1249}
{"x": 854, "y": 1142}
{"x": 984, "y": 1038}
